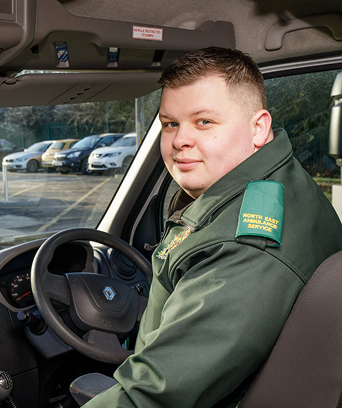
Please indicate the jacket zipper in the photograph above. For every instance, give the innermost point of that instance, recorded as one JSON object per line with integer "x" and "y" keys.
{"x": 183, "y": 223}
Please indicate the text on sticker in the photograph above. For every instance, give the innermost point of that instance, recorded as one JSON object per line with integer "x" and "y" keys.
{"x": 261, "y": 222}
{"x": 147, "y": 33}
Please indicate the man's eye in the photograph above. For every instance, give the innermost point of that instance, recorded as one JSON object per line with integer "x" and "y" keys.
{"x": 203, "y": 122}
{"x": 171, "y": 125}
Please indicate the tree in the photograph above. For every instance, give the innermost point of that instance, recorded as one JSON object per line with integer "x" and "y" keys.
{"x": 301, "y": 105}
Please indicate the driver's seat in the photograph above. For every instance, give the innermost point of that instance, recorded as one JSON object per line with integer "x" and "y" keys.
{"x": 304, "y": 369}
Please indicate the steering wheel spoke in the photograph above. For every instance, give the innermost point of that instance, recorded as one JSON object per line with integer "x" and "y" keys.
{"x": 108, "y": 343}
{"x": 57, "y": 288}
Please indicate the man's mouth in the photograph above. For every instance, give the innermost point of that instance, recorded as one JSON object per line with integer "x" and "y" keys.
{"x": 186, "y": 164}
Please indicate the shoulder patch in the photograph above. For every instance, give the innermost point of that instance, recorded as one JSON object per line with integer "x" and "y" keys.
{"x": 262, "y": 211}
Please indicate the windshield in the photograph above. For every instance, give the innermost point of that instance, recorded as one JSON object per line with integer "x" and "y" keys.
{"x": 37, "y": 198}
{"x": 37, "y": 147}
{"x": 57, "y": 146}
{"x": 125, "y": 141}
{"x": 86, "y": 142}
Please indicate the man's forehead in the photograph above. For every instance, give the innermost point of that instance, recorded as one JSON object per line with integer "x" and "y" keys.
{"x": 171, "y": 107}
{"x": 204, "y": 85}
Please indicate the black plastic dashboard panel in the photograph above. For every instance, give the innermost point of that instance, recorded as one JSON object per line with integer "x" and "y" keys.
{"x": 15, "y": 267}
{"x": 76, "y": 256}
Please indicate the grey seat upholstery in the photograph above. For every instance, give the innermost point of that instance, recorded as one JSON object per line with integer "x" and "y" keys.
{"x": 304, "y": 369}
{"x": 86, "y": 387}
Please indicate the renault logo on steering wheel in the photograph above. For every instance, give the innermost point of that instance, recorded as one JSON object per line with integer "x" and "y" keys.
{"x": 109, "y": 293}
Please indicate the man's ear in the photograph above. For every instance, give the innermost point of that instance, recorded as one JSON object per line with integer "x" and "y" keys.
{"x": 261, "y": 126}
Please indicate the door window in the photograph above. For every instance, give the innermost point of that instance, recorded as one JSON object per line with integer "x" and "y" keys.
{"x": 301, "y": 104}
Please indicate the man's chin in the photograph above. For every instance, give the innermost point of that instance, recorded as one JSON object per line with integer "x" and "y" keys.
{"x": 192, "y": 191}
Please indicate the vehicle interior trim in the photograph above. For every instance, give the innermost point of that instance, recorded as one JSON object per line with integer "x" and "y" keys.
{"x": 276, "y": 34}
{"x": 303, "y": 64}
{"x": 75, "y": 88}
{"x": 153, "y": 193}
{"x": 111, "y": 220}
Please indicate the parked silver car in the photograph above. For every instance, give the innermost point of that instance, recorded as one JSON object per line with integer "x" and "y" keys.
{"x": 30, "y": 159}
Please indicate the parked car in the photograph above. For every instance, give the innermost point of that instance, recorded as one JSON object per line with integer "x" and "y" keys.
{"x": 7, "y": 147}
{"x": 30, "y": 159}
{"x": 76, "y": 159}
{"x": 57, "y": 146}
{"x": 116, "y": 156}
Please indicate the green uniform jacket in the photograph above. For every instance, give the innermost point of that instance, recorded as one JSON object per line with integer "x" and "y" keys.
{"x": 217, "y": 303}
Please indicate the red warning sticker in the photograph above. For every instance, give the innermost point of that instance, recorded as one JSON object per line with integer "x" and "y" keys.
{"x": 147, "y": 33}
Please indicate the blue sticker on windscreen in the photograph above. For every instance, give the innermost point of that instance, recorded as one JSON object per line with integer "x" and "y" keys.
{"x": 62, "y": 52}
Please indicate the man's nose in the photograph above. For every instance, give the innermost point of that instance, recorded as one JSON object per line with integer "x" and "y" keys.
{"x": 184, "y": 138}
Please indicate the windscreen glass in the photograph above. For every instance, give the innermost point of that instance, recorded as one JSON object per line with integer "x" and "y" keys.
{"x": 72, "y": 188}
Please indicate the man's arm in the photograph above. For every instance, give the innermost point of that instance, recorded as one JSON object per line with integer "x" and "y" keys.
{"x": 216, "y": 328}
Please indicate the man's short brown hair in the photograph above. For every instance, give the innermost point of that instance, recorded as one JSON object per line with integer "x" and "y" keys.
{"x": 241, "y": 73}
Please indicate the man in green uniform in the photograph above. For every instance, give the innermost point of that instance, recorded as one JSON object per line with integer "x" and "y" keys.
{"x": 243, "y": 236}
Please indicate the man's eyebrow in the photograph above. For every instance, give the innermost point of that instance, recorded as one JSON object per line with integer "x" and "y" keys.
{"x": 161, "y": 115}
{"x": 209, "y": 111}
{"x": 200, "y": 112}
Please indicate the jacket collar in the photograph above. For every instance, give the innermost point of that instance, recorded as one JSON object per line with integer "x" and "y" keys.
{"x": 257, "y": 167}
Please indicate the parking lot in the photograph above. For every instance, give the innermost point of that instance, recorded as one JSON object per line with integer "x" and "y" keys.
{"x": 49, "y": 202}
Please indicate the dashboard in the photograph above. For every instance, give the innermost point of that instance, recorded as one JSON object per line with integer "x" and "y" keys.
{"x": 77, "y": 256}
{"x": 40, "y": 359}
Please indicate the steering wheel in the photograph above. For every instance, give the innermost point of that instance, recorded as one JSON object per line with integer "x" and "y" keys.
{"x": 103, "y": 308}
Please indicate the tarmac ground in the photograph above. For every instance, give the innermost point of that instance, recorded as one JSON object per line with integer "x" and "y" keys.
{"x": 35, "y": 205}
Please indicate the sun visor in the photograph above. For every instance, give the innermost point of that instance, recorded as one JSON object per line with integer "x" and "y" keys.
{"x": 45, "y": 36}
{"x": 70, "y": 88}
